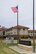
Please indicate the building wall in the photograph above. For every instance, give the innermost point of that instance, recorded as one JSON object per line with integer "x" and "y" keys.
{"x": 14, "y": 32}
{"x": 1, "y": 33}
{"x": 21, "y": 32}
{"x": 11, "y": 32}
{"x": 26, "y": 32}
{"x": 31, "y": 34}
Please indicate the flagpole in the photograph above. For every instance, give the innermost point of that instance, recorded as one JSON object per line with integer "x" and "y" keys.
{"x": 17, "y": 25}
{"x": 33, "y": 30}
{"x": 17, "y": 17}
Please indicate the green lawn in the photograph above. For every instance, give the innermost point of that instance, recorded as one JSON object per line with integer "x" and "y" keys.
{"x": 5, "y": 50}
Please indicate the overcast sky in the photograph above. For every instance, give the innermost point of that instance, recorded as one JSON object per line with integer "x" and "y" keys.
{"x": 25, "y": 7}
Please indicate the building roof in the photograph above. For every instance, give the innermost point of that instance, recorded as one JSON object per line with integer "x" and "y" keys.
{"x": 19, "y": 27}
{"x": 31, "y": 30}
{"x": 2, "y": 29}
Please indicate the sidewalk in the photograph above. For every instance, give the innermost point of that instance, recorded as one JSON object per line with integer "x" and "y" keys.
{"x": 21, "y": 51}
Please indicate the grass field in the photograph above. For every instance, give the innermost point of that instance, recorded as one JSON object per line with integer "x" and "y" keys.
{"x": 5, "y": 50}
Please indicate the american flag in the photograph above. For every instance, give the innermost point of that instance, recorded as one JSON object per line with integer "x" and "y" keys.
{"x": 14, "y": 9}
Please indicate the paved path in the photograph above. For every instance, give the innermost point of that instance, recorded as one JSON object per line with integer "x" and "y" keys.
{"x": 21, "y": 51}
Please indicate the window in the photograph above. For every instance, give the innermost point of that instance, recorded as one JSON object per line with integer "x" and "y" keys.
{"x": 14, "y": 32}
{"x": 3, "y": 32}
{"x": 23, "y": 29}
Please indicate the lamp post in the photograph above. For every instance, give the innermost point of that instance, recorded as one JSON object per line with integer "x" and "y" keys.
{"x": 33, "y": 30}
